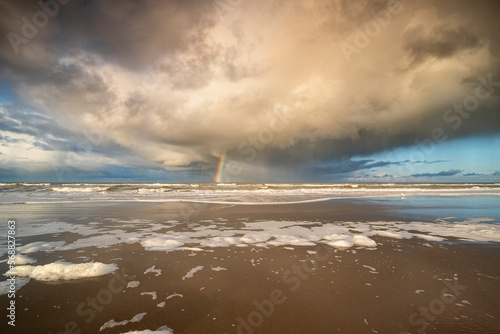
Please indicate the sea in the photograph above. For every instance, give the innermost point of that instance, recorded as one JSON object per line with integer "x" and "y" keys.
{"x": 241, "y": 193}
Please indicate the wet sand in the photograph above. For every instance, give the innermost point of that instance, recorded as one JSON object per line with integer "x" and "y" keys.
{"x": 402, "y": 286}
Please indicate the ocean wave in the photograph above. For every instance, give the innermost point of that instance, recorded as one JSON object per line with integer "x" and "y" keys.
{"x": 77, "y": 190}
{"x": 153, "y": 190}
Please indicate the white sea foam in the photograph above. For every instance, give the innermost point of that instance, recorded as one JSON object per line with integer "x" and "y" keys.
{"x": 218, "y": 268}
{"x": 371, "y": 268}
{"x": 153, "y": 270}
{"x": 341, "y": 235}
{"x": 112, "y": 323}
{"x": 192, "y": 272}
{"x": 133, "y": 284}
{"x": 394, "y": 235}
{"x": 285, "y": 239}
{"x": 62, "y": 271}
{"x": 160, "y": 330}
{"x": 175, "y": 295}
{"x": 340, "y": 244}
{"x": 193, "y": 249}
{"x": 220, "y": 242}
{"x": 161, "y": 244}
{"x": 153, "y": 294}
{"x": 264, "y": 233}
{"x": 361, "y": 240}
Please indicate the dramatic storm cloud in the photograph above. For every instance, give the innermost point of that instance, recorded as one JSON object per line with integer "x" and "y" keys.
{"x": 450, "y": 172}
{"x": 282, "y": 89}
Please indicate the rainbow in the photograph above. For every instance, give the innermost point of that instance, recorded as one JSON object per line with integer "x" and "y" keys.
{"x": 222, "y": 161}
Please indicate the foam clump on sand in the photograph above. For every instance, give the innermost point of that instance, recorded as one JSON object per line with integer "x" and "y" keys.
{"x": 361, "y": 240}
{"x": 153, "y": 270}
{"x": 220, "y": 242}
{"x": 160, "y": 330}
{"x": 175, "y": 295}
{"x": 342, "y": 241}
{"x": 112, "y": 323}
{"x": 340, "y": 244}
{"x": 133, "y": 284}
{"x": 192, "y": 272}
{"x": 294, "y": 240}
{"x": 152, "y": 294}
{"x": 218, "y": 268}
{"x": 63, "y": 271}
{"x": 251, "y": 238}
{"x": 161, "y": 244}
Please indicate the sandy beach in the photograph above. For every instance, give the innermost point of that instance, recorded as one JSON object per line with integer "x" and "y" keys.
{"x": 210, "y": 276}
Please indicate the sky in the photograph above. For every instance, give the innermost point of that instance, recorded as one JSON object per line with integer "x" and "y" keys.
{"x": 250, "y": 91}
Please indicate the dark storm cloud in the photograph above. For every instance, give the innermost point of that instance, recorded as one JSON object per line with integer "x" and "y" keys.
{"x": 431, "y": 162}
{"x": 132, "y": 33}
{"x": 450, "y": 172}
{"x": 442, "y": 42}
{"x": 175, "y": 84}
{"x": 109, "y": 173}
{"x": 383, "y": 176}
{"x": 347, "y": 166}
